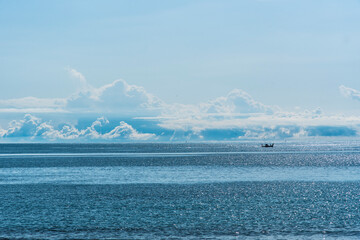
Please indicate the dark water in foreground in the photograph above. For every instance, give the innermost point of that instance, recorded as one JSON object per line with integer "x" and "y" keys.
{"x": 180, "y": 191}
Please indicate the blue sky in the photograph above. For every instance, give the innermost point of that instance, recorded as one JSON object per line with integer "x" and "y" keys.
{"x": 258, "y": 65}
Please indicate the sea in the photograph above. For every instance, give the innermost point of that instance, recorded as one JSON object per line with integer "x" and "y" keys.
{"x": 236, "y": 190}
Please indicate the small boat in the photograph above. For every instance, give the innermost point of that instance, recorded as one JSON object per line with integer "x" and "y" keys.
{"x": 267, "y": 145}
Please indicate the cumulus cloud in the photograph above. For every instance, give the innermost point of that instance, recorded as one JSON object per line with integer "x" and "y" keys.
{"x": 124, "y": 130}
{"x": 122, "y": 98}
{"x": 117, "y": 97}
{"x": 78, "y": 75}
{"x": 235, "y": 105}
{"x": 236, "y": 115}
{"x": 236, "y": 101}
{"x": 350, "y": 92}
{"x": 35, "y": 128}
{"x": 23, "y": 128}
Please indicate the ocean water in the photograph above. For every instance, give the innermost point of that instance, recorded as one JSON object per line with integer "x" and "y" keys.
{"x": 180, "y": 191}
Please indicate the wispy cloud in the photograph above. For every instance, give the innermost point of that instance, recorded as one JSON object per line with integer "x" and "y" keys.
{"x": 350, "y": 92}
{"x": 33, "y": 102}
{"x": 79, "y": 76}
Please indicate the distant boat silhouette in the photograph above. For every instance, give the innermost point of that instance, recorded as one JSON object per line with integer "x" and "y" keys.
{"x": 267, "y": 145}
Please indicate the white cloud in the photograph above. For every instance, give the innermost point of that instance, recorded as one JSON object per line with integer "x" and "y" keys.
{"x": 255, "y": 127}
{"x": 257, "y": 114}
{"x": 278, "y": 125}
{"x": 23, "y": 128}
{"x": 236, "y": 104}
{"x": 34, "y": 128}
{"x": 78, "y": 75}
{"x": 125, "y": 130}
{"x": 32, "y": 102}
{"x": 350, "y": 92}
{"x": 238, "y": 113}
{"x": 121, "y": 98}
{"x": 117, "y": 97}
{"x": 237, "y": 101}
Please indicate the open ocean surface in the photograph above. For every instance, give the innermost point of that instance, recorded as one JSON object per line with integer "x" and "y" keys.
{"x": 180, "y": 191}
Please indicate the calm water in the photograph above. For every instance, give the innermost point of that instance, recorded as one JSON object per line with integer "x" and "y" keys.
{"x": 180, "y": 191}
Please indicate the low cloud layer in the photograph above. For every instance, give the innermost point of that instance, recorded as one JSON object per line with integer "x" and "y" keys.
{"x": 32, "y": 128}
{"x": 234, "y": 116}
{"x": 35, "y": 128}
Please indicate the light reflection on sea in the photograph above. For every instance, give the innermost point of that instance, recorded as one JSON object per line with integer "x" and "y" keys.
{"x": 174, "y": 174}
{"x": 180, "y": 191}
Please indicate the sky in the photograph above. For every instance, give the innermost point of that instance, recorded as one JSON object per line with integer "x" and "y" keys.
{"x": 124, "y": 70}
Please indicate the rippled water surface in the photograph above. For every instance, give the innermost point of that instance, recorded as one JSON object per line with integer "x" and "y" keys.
{"x": 180, "y": 191}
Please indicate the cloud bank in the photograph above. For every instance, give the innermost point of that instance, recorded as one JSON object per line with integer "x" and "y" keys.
{"x": 35, "y": 128}
{"x": 137, "y": 115}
